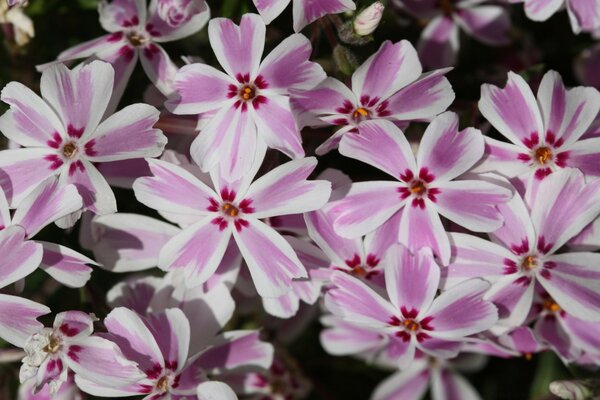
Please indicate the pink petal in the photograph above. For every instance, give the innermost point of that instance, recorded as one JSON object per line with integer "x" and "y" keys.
{"x": 337, "y": 248}
{"x": 284, "y": 307}
{"x": 488, "y": 24}
{"x": 512, "y": 110}
{"x": 198, "y": 262}
{"x": 270, "y": 9}
{"x": 30, "y": 120}
{"x": 5, "y": 216}
{"x": 567, "y": 113}
{"x": 473, "y": 204}
{"x": 270, "y": 258}
{"x": 341, "y": 338}
{"x": 130, "y": 242}
{"x": 449, "y": 385}
{"x": 171, "y": 329}
{"x": 439, "y": 43}
{"x": 570, "y": 201}
{"x": 215, "y": 390}
{"x": 474, "y": 257}
{"x": 80, "y": 96}
{"x": 541, "y": 10}
{"x": 121, "y": 14}
{"x": 135, "y": 294}
{"x": 411, "y": 280}
{"x": 288, "y": 66}
{"x": 584, "y": 155}
{"x": 378, "y": 242}
{"x": 582, "y": 333}
{"x": 135, "y": 340}
{"x": 584, "y": 15}
{"x": 97, "y": 196}
{"x": 47, "y": 203}
{"x": 238, "y": 48}
{"x": 521, "y": 339}
{"x": 365, "y": 208}
{"x": 21, "y": 170}
{"x": 428, "y": 96}
{"x": 74, "y": 324}
{"x": 110, "y": 42}
{"x": 198, "y": 88}
{"x": 235, "y": 349}
{"x": 381, "y": 144}
{"x": 18, "y": 319}
{"x": 286, "y": 190}
{"x": 513, "y": 295}
{"x": 102, "y": 362}
{"x": 123, "y": 58}
{"x": 354, "y": 301}
{"x": 502, "y": 157}
{"x": 447, "y": 152}
{"x": 550, "y": 331}
{"x": 517, "y": 233}
{"x": 329, "y": 95}
{"x": 127, "y": 134}
{"x": 574, "y": 282}
{"x": 20, "y": 256}
{"x": 230, "y": 135}
{"x": 423, "y": 228}
{"x": 449, "y": 319}
{"x": 159, "y": 67}
{"x": 173, "y": 189}
{"x": 409, "y": 384}
{"x": 391, "y": 68}
{"x": 65, "y": 265}
{"x": 307, "y": 11}
{"x": 277, "y": 126}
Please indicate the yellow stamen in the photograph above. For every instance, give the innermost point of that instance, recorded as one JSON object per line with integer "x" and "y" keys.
{"x": 248, "y": 93}
{"x": 69, "y": 150}
{"x": 52, "y": 346}
{"x": 543, "y": 155}
{"x": 360, "y": 112}
{"x": 230, "y": 210}
{"x": 411, "y": 325}
{"x": 550, "y": 305}
{"x": 418, "y": 188}
{"x": 529, "y": 262}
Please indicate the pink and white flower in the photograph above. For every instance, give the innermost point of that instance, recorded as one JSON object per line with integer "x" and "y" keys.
{"x": 160, "y": 345}
{"x": 545, "y": 135}
{"x": 425, "y": 187}
{"x": 412, "y": 316}
{"x": 64, "y": 132}
{"x": 389, "y": 86}
{"x": 305, "y": 11}
{"x": 47, "y": 203}
{"x": 70, "y": 345}
{"x": 523, "y": 253}
{"x": 584, "y": 15}
{"x": 250, "y": 100}
{"x": 234, "y": 208}
{"x": 441, "y": 376}
{"x": 136, "y": 32}
{"x": 439, "y": 43}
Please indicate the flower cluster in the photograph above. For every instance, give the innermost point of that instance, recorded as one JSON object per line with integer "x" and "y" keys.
{"x": 453, "y": 243}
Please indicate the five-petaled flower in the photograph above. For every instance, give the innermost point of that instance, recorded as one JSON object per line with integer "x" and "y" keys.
{"x": 65, "y": 131}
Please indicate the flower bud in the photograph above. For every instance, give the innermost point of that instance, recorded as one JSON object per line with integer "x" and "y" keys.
{"x": 177, "y": 12}
{"x": 368, "y": 20}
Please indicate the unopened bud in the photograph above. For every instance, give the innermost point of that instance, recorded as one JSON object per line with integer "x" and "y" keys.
{"x": 575, "y": 389}
{"x": 368, "y": 20}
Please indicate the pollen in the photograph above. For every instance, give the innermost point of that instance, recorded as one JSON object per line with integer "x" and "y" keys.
{"x": 163, "y": 384}
{"x": 136, "y": 39}
{"x": 411, "y": 325}
{"x": 360, "y": 112}
{"x": 418, "y": 188}
{"x": 53, "y": 345}
{"x": 543, "y": 155}
{"x": 248, "y": 93}
{"x": 230, "y": 209}
{"x": 550, "y": 305}
{"x": 69, "y": 150}
{"x": 359, "y": 271}
{"x": 529, "y": 262}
